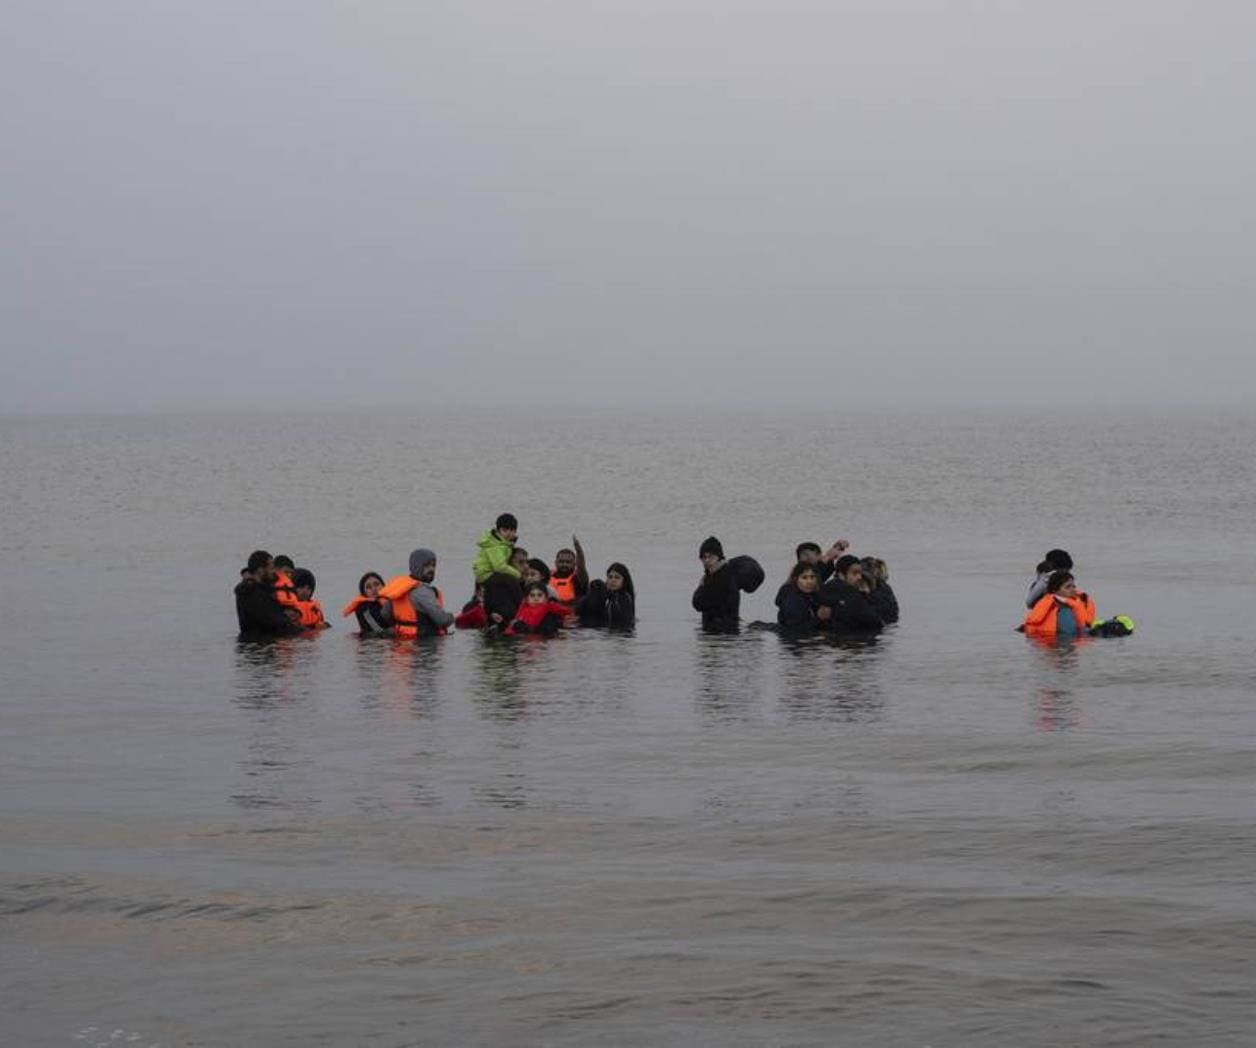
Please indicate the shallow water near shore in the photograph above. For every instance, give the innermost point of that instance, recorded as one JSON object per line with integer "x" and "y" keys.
{"x": 947, "y": 836}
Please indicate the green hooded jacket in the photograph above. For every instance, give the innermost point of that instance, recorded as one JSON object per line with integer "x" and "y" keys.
{"x": 493, "y": 556}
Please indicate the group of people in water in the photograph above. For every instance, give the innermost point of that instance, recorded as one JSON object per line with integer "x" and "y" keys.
{"x": 829, "y": 591}
{"x": 514, "y": 594}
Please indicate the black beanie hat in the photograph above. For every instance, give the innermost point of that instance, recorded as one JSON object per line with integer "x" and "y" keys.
{"x": 711, "y": 545}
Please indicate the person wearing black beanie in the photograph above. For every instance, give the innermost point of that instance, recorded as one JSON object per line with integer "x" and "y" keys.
{"x": 713, "y": 546}
{"x": 718, "y": 596}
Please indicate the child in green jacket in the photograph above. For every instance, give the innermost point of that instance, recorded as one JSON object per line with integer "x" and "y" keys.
{"x": 495, "y": 549}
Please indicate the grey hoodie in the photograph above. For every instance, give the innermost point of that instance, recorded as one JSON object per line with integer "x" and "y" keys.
{"x": 1037, "y": 588}
{"x": 423, "y": 596}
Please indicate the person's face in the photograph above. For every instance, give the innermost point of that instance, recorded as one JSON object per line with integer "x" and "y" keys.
{"x": 520, "y": 560}
{"x": 807, "y": 581}
{"x": 530, "y": 574}
{"x": 854, "y": 575}
{"x": 371, "y": 588}
{"x": 266, "y": 573}
{"x": 614, "y": 581}
{"x": 565, "y": 563}
{"x": 1069, "y": 589}
{"x": 709, "y": 562}
{"x": 808, "y": 556}
{"x": 428, "y": 571}
{"x": 509, "y": 534}
{"x": 304, "y": 593}
{"x": 535, "y": 597}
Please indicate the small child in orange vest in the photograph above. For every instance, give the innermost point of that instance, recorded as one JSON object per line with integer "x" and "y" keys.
{"x": 285, "y": 592}
{"x": 310, "y": 610}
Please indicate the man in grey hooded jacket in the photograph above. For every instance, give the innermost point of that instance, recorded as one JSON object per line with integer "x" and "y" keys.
{"x": 425, "y": 598}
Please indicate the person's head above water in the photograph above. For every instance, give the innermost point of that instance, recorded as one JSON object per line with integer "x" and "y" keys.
{"x": 618, "y": 578}
{"x": 507, "y": 527}
{"x": 536, "y": 570}
{"x": 370, "y": 584}
{"x": 303, "y": 582}
{"x": 874, "y": 570}
{"x": 1055, "y": 560}
{"x": 423, "y": 565}
{"x": 711, "y": 553}
{"x": 261, "y": 565}
{"x": 564, "y": 562}
{"x": 284, "y": 563}
{"x": 848, "y": 569}
{"x": 535, "y": 593}
{"x": 807, "y": 552}
{"x": 519, "y": 559}
{"x": 1062, "y": 582}
{"x": 804, "y": 577}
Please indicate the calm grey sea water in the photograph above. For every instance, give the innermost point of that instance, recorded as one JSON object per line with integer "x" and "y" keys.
{"x": 949, "y": 837}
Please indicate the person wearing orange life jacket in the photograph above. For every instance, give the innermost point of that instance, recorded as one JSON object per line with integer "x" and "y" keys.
{"x": 418, "y": 609}
{"x": 310, "y": 611}
{"x": 1062, "y": 612}
{"x": 285, "y": 591}
{"x": 570, "y": 578}
{"x": 374, "y": 614}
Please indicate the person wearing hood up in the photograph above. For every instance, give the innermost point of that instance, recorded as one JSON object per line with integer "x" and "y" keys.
{"x": 718, "y": 596}
{"x": 418, "y": 609}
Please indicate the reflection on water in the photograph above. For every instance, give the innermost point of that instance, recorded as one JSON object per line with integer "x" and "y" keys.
{"x": 498, "y": 684}
{"x": 1055, "y": 710}
{"x": 835, "y": 679}
{"x": 269, "y": 691}
{"x": 729, "y": 668}
{"x": 263, "y": 671}
{"x": 402, "y": 678}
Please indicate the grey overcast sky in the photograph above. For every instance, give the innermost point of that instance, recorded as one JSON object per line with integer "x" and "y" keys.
{"x": 230, "y": 204}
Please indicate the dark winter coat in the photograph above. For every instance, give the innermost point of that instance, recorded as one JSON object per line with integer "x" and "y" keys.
{"x": 259, "y": 613}
{"x": 718, "y": 598}
{"x": 797, "y": 610}
{"x": 604, "y": 607}
{"x": 851, "y": 611}
{"x": 884, "y": 603}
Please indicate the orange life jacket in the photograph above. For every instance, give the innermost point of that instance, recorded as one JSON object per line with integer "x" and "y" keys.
{"x": 405, "y": 615}
{"x": 311, "y": 614}
{"x": 565, "y": 588}
{"x": 285, "y": 593}
{"x": 1041, "y": 619}
{"x": 353, "y": 606}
